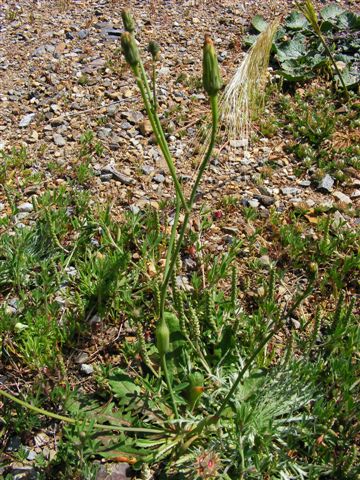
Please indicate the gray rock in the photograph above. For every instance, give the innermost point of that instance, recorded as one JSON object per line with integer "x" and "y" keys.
{"x": 82, "y": 34}
{"x": 27, "y": 119}
{"x": 86, "y": 369}
{"x": 254, "y": 203}
{"x": 265, "y": 200}
{"x": 31, "y": 455}
{"x": 159, "y": 178}
{"x": 290, "y": 191}
{"x": 120, "y": 177}
{"x": 2, "y": 206}
{"x": 342, "y": 197}
{"x": 59, "y": 140}
{"x": 134, "y": 209}
{"x": 305, "y": 183}
{"x": 326, "y": 183}
{"x": 338, "y": 220}
{"x": 133, "y": 117}
{"x": 147, "y": 169}
{"x": 26, "y": 207}
{"x": 103, "y": 133}
{"x": 82, "y": 357}
{"x": 106, "y": 177}
{"x": 265, "y": 261}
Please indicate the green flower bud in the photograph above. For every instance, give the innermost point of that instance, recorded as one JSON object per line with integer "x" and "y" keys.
{"x": 162, "y": 337}
{"x": 154, "y": 49}
{"x": 211, "y": 72}
{"x": 128, "y": 20}
{"x": 195, "y": 388}
{"x": 130, "y": 49}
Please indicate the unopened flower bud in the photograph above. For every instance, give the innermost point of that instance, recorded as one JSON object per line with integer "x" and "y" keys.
{"x": 130, "y": 49}
{"x": 128, "y": 20}
{"x": 196, "y": 387}
{"x": 154, "y": 49}
{"x": 162, "y": 337}
{"x": 211, "y": 72}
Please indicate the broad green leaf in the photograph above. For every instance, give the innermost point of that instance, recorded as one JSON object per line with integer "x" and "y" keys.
{"x": 259, "y": 23}
{"x": 331, "y": 12}
{"x": 349, "y": 21}
{"x": 350, "y": 76}
{"x": 249, "y": 40}
{"x": 294, "y": 48}
{"x": 296, "y": 21}
{"x": 122, "y": 385}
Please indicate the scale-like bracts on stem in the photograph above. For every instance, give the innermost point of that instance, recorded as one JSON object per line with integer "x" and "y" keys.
{"x": 130, "y": 50}
{"x": 128, "y": 20}
{"x": 211, "y": 72}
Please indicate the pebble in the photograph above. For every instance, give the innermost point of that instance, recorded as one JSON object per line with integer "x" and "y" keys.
{"x": 2, "y": 206}
{"x": 265, "y": 261}
{"x": 86, "y": 369}
{"x": 342, "y": 197}
{"x": 265, "y": 200}
{"x": 59, "y": 140}
{"x": 147, "y": 169}
{"x": 27, "y": 119}
{"x": 326, "y": 183}
{"x": 159, "y": 178}
{"x": 26, "y": 207}
{"x": 290, "y": 191}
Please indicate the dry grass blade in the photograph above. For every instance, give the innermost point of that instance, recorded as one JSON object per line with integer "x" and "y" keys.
{"x": 243, "y": 98}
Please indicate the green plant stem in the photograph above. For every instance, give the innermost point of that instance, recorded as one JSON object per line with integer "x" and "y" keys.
{"x": 215, "y": 121}
{"x": 72, "y": 421}
{"x": 167, "y": 378}
{"x": 159, "y": 136}
{"x": 172, "y": 235}
{"x": 328, "y": 51}
{"x": 154, "y": 85}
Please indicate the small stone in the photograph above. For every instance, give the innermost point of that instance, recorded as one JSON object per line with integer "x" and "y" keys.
{"x": 265, "y": 261}
{"x": 145, "y": 127}
{"x": 2, "y": 206}
{"x": 86, "y": 369}
{"x": 295, "y": 323}
{"x": 27, "y": 119}
{"x": 254, "y": 203}
{"x": 265, "y": 200}
{"x": 26, "y": 207}
{"x": 159, "y": 178}
{"x": 59, "y": 140}
{"x": 31, "y": 455}
{"x": 342, "y": 197}
{"x": 82, "y": 357}
{"x": 134, "y": 209}
{"x": 305, "y": 183}
{"x": 326, "y": 183}
{"x": 111, "y": 170}
{"x": 82, "y": 34}
{"x": 147, "y": 169}
{"x": 290, "y": 191}
{"x": 355, "y": 194}
{"x": 338, "y": 220}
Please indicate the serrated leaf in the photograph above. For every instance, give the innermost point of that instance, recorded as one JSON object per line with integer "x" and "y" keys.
{"x": 259, "y": 23}
{"x": 296, "y": 21}
{"x": 331, "y": 12}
